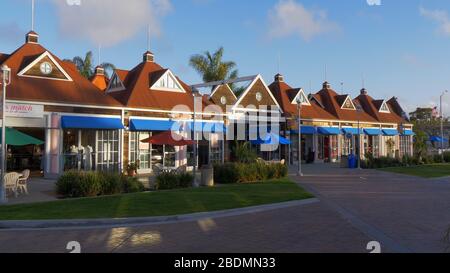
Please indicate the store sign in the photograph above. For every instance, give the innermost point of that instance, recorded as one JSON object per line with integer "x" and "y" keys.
{"x": 24, "y": 110}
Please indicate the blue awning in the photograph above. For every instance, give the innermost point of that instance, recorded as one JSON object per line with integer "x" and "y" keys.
{"x": 306, "y": 130}
{"x": 437, "y": 139}
{"x": 99, "y": 123}
{"x": 352, "y": 131}
{"x": 271, "y": 139}
{"x": 329, "y": 130}
{"x": 408, "y": 133}
{"x": 155, "y": 125}
{"x": 208, "y": 127}
{"x": 372, "y": 131}
{"x": 390, "y": 132}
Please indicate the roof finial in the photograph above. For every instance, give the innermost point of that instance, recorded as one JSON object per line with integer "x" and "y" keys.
{"x": 99, "y": 55}
{"x": 363, "y": 81}
{"x": 279, "y": 61}
{"x": 32, "y": 15}
{"x": 326, "y": 72}
{"x": 148, "y": 37}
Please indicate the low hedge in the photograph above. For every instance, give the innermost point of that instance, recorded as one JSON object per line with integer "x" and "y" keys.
{"x": 248, "y": 172}
{"x": 386, "y": 162}
{"x": 171, "y": 180}
{"x": 75, "y": 184}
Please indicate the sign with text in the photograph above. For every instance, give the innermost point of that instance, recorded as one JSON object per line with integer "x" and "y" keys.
{"x": 24, "y": 110}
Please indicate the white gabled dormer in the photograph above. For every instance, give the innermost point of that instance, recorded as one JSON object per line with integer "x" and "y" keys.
{"x": 168, "y": 82}
{"x": 45, "y": 67}
{"x": 384, "y": 108}
{"x": 115, "y": 84}
{"x": 303, "y": 98}
{"x": 348, "y": 104}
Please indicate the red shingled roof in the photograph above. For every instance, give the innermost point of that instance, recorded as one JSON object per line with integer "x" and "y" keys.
{"x": 283, "y": 93}
{"x": 79, "y": 91}
{"x": 372, "y": 107}
{"x": 138, "y": 94}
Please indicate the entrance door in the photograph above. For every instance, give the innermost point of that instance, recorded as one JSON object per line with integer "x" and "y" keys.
{"x": 326, "y": 147}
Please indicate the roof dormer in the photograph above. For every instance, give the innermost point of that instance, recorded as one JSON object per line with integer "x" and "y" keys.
{"x": 167, "y": 82}
{"x": 348, "y": 104}
{"x": 384, "y": 108}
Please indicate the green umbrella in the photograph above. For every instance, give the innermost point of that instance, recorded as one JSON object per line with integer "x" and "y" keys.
{"x": 16, "y": 138}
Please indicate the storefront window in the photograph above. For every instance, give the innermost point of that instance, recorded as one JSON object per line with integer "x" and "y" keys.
{"x": 215, "y": 152}
{"x": 108, "y": 150}
{"x": 321, "y": 142}
{"x": 169, "y": 156}
{"x": 405, "y": 146}
{"x": 157, "y": 154}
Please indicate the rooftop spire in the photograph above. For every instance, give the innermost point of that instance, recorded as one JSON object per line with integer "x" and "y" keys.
{"x": 32, "y": 15}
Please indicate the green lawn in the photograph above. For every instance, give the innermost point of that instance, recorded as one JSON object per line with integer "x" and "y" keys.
{"x": 160, "y": 203}
{"x": 427, "y": 171}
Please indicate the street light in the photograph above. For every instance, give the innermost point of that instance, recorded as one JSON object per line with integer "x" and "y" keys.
{"x": 359, "y": 110}
{"x": 6, "y": 80}
{"x": 442, "y": 124}
{"x": 299, "y": 108}
{"x": 195, "y": 92}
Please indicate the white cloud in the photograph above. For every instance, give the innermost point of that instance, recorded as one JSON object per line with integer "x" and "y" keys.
{"x": 439, "y": 16}
{"x": 291, "y": 18}
{"x": 109, "y": 22}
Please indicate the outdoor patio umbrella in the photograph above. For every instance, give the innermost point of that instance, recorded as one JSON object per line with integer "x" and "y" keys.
{"x": 168, "y": 138}
{"x": 271, "y": 139}
{"x": 17, "y": 138}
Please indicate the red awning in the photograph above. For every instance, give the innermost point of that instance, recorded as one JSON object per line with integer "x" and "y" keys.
{"x": 168, "y": 138}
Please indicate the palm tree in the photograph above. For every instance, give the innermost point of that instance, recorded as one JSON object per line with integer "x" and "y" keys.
{"x": 212, "y": 68}
{"x": 86, "y": 67}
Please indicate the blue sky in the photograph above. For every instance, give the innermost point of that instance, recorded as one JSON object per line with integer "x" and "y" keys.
{"x": 401, "y": 47}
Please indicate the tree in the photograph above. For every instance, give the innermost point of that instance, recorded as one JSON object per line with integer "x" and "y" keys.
{"x": 86, "y": 67}
{"x": 212, "y": 68}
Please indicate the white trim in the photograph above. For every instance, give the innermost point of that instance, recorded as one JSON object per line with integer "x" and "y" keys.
{"x": 351, "y": 101}
{"x": 294, "y": 101}
{"x": 168, "y": 89}
{"x": 113, "y": 107}
{"x": 86, "y": 115}
{"x": 116, "y": 89}
{"x": 383, "y": 111}
{"x": 244, "y": 94}
{"x": 217, "y": 88}
{"x": 38, "y": 59}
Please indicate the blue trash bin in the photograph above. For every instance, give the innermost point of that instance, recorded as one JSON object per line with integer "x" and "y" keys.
{"x": 352, "y": 161}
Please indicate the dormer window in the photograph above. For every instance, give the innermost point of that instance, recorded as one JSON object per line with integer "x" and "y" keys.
{"x": 348, "y": 104}
{"x": 302, "y": 97}
{"x": 168, "y": 82}
{"x": 384, "y": 108}
{"x": 115, "y": 84}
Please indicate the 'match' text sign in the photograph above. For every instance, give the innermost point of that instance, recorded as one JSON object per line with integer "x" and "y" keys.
{"x": 24, "y": 110}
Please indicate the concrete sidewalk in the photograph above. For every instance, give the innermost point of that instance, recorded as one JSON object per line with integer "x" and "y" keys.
{"x": 39, "y": 189}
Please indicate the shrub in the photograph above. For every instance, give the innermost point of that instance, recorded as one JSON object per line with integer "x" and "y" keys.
{"x": 248, "y": 172}
{"x": 171, "y": 180}
{"x": 74, "y": 184}
{"x": 226, "y": 173}
{"x": 447, "y": 157}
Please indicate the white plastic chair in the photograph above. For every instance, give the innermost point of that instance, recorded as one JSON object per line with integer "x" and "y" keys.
{"x": 23, "y": 181}
{"x": 11, "y": 181}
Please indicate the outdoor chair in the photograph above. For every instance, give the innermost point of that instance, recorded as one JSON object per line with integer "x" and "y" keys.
{"x": 157, "y": 169}
{"x": 23, "y": 181}
{"x": 11, "y": 181}
{"x": 181, "y": 169}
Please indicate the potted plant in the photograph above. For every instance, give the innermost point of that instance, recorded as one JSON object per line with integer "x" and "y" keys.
{"x": 132, "y": 169}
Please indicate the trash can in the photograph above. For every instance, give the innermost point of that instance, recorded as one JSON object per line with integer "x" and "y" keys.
{"x": 352, "y": 161}
{"x": 207, "y": 179}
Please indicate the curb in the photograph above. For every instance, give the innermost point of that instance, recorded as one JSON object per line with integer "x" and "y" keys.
{"x": 93, "y": 223}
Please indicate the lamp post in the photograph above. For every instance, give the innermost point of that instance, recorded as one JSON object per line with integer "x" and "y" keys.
{"x": 359, "y": 110}
{"x": 6, "y": 80}
{"x": 442, "y": 124}
{"x": 299, "y": 108}
{"x": 194, "y": 171}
